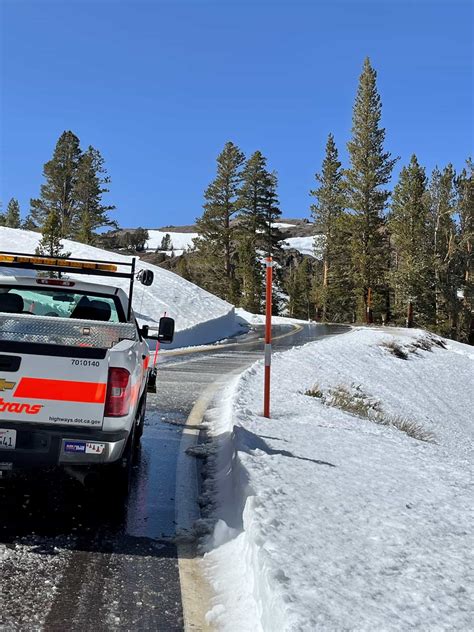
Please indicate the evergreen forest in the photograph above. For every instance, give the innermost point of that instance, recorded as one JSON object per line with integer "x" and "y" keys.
{"x": 398, "y": 253}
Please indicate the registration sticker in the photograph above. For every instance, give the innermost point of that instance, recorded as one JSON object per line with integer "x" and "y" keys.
{"x": 7, "y": 439}
{"x": 95, "y": 448}
{"x": 75, "y": 446}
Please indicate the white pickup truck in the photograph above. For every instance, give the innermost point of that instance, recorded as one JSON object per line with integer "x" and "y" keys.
{"x": 74, "y": 368}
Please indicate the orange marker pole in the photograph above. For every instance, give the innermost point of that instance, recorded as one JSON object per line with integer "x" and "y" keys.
{"x": 155, "y": 357}
{"x": 268, "y": 338}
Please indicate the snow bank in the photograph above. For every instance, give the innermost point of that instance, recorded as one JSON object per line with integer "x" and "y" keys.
{"x": 328, "y": 521}
{"x": 200, "y": 316}
{"x": 259, "y": 319}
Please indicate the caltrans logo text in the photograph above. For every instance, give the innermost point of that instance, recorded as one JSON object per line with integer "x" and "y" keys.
{"x": 13, "y": 407}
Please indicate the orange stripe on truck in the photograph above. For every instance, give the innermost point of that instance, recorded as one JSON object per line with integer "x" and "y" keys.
{"x": 61, "y": 390}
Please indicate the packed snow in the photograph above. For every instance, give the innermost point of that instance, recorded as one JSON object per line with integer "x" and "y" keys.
{"x": 180, "y": 242}
{"x": 311, "y": 246}
{"x": 200, "y": 316}
{"x": 331, "y": 521}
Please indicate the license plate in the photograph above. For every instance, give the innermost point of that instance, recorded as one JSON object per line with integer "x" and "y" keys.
{"x": 7, "y": 439}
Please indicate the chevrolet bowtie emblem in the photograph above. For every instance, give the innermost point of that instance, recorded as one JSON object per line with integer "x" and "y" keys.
{"x": 6, "y": 386}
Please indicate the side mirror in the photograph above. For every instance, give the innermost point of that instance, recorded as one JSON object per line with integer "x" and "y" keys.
{"x": 166, "y": 329}
{"x": 146, "y": 277}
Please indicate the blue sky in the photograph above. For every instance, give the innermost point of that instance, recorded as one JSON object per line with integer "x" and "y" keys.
{"x": 159, "y": 87}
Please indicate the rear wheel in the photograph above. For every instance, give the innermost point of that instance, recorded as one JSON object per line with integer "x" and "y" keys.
{"x": 116, "y": 478}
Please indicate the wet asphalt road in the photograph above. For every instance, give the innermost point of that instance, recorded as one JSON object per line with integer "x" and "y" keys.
{"x": 72, "y": 562}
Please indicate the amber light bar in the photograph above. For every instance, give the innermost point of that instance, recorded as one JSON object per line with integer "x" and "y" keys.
{"x": 96, "y": 267}
{"x": 64, "y": 263}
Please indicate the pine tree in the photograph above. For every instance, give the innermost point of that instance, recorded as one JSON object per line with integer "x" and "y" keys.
{"x": 109, "y": 240}
{"x": 89, "y": 186}
{"x": 271, "y": 240}
{"x": 250, "y": 273}
{"x": 50, "y": 244}
{"x": 339, "y": 293}
{"x": 216, "y": 246}
{"x": 29, "y": 223}
{"x": 166, "y": 243}
{"x": 465, "y": 211}
{"x": 126, "y": 241}
{"x": 326, "y": 211}
{"x": 257, "y": 203}
{"x": 84, "y": 232}
{"x": 442, "y": 199}
{"x": 272, "y": 236}
{"x": 182, "y": 268}
{"x": 298, "y": 286}
{"x": 253, "y": 195}
{"x": 370, "y": 170}
{"x": 409, "y": 224}
{"x": 12, "y": 215}
{"x": 139, "y": 238}
{"x": 58, "y": 192}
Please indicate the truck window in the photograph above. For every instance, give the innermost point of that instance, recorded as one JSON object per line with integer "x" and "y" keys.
{"x": 60, "y": 302}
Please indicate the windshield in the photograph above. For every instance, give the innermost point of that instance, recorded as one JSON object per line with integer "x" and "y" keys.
{"x": 60, "y": 302}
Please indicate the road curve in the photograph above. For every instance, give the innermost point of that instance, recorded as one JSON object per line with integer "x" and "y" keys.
{"x": 71, "y": 562}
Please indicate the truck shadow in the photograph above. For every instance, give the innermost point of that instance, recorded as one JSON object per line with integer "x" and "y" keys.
{"x": 57, "y": 513}
{"x": 47, "y": 511}
{"x": 49, "y": 504}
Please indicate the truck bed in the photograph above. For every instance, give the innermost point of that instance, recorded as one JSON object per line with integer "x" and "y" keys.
{"x": 64, "y": 331}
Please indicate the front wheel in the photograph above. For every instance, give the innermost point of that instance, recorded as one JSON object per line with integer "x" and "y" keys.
{"x": 140, "y": 423}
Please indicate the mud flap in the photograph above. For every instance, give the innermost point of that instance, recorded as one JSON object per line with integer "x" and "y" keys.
{"x": 151, "y": 386}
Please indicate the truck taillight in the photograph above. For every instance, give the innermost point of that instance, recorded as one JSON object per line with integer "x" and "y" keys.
{"x": 117, "y": 403}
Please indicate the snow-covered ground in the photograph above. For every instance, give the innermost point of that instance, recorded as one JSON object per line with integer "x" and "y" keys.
{"x": 332, "y": 521}
{"x": 200, "y": 316}
{"x": 282, "y": 225}
{"x": 305, "y": 245}
{"x": 180, "y": 242}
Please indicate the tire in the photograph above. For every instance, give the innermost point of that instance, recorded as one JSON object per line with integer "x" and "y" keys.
{"x": 116, "y": 478}
{"x": 140, "y": 422}
{"x": 151, "y": 383}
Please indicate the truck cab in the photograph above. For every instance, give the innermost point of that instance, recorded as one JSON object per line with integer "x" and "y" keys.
{"x": 74, "y": 368}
